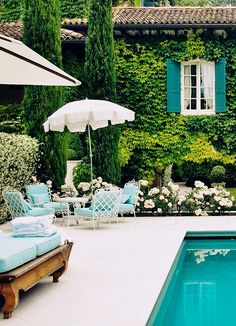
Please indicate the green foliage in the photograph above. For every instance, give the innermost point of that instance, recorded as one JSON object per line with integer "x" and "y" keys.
{"x": 18, "y": 160}
{"x": 10, "y": 118}
{"x": 74, "y": 8}
{"x": 157, "y": 138}
{"x": 202, "y": 150}
{"x": 43, "y": 36}
{"x": 74, "y": 143}
{"x": 75, "y": 68}
{"x": 81, "y": 172}
{"x": 217, "y": 174}
{"x": 11, "y": 10}
{"x": 101, "y": 84}
{"x": 71, "y": 154}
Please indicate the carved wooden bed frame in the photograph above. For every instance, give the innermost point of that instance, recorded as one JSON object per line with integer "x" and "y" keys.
{"x": 53, "y": 263}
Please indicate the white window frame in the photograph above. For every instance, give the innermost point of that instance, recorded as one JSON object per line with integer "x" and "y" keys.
{"x": 198, "y": 111}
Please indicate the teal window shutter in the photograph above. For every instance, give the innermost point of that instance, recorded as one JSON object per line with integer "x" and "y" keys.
{"x": 220, "y": 86}
{"x": 173, "y": 86}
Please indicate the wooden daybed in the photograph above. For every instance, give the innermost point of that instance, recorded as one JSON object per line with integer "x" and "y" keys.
{"x": 53, "y": 263}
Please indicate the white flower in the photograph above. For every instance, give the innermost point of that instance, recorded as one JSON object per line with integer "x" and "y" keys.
{"x": 94, "y": 181}
{"x": 34, "y": 178}
{"x": 169, "y": 204}
{"x": 165, "y": 191}
{"x": 217, "y": 198}
{"x": 181, "y": 199}
{"x": 199, "y": 184}
{"x": 141, "y": 193}
{"x": 198, "y": 195}
{"x": 149, "y": 203}
{"x": 143, "y": 183}
{"x": 97, "y": 185}
{"x": 99, "y": 179}
{"x": 198, "y": 212}
{"x": 153, "y": 191}
{"x": 161, "y": 197}
{"x": 85, "y": 186}
{"x": 159, "y": 210}
{"x": 49, "y": 183}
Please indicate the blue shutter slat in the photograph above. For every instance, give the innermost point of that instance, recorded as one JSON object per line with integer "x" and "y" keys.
{"x": 173, "y": 86}
{"x": 220, "y": 86}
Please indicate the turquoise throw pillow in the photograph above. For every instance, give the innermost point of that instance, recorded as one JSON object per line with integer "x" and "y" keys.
{"x": 39, "y": 199}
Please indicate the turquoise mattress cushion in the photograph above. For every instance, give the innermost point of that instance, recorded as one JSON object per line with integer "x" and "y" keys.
{"x": 18, "y": 251}
{"x": 44, "y": 245}
{"x": 15, "y": 253}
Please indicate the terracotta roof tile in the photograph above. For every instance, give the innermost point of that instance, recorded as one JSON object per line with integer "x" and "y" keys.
{"x": 168, "y": 15}
{"x": 15, "y": 30}
{"x": 175, "y": 15}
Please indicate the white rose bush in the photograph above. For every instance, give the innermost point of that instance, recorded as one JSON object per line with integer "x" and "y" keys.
{"x": 200, "y": 201}
{"x": 86, "y": 189}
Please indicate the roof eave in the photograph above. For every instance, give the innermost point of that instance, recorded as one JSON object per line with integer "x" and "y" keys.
{"x": 77, "y": 27}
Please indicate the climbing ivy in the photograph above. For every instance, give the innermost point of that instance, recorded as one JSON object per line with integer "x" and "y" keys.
{"x": 157, "y": 138}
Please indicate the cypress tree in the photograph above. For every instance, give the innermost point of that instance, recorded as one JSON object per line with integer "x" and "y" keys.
{"x": 101, "y": 84}
{"x": 42, "y": 34}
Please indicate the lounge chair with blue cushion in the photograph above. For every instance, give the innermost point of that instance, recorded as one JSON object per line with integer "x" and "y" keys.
{"x": 129, "y": 198}
{"x": 19, "y": 207}
{"x": 39, "y": 196}
{"x": 105, "y": 205}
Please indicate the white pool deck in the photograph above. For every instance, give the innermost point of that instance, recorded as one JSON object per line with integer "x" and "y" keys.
{"x": 115, "y": 272}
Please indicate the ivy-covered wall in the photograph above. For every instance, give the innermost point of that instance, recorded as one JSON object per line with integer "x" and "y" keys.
{"x": 12, "y": 10}
{"x": 158, "y": 138}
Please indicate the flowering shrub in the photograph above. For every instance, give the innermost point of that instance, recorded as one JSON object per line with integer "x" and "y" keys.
{"x": 69, "y": 191}
{"x": 18, "y": 161}
{"x": 201, "y": 200}
{"x": 161, "y": 201}
{"x": 85, "y": 189}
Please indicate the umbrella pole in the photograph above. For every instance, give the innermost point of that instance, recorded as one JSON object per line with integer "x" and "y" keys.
{"x": 90, "y": 153}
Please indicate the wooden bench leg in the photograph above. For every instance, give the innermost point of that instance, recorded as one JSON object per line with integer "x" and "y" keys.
{"x": 11, "y": 297}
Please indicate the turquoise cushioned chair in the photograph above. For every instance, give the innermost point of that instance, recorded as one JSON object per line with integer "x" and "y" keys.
{"x": 40, "y": 196}
{"x": 105, "y": 205}
{"x": 19, "y": 207}
{"x": 129, "y": 198}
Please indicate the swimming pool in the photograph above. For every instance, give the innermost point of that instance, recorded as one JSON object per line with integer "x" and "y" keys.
{"x": 201, "y": 286}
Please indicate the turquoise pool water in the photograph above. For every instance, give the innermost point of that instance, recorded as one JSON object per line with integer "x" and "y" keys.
{"x": 201, "y": 288}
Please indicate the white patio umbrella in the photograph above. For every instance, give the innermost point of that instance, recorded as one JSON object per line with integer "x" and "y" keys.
{"x": 77, "y": 115}
{"x": 19, "y": 65}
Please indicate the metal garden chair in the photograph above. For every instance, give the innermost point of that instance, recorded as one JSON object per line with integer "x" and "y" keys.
{"x": 105, "y": 206}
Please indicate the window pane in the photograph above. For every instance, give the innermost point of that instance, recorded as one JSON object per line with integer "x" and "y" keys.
{"x": 187, "y": 81}
{"x": 203, "y": 104}
{"x": 187, "y": 92}
{"x": 187, "y": 104}
{"x": 193, "y": 104}
{"x": 186, "y": 70}
{"x": 193, "y": 81}
{"x": 193, "y": 69}
{"x": 206, "y": 72}
{"x": 202, "y": 92}
{"x": 208, "y": 93}
{"x": 194, "y": 92}
{"x": 209, "y": 105}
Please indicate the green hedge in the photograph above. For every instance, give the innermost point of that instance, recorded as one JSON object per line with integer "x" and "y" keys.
{"x": 18, "y": 160}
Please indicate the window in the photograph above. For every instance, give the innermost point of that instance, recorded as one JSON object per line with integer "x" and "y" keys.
{"x": 198, "y": 88}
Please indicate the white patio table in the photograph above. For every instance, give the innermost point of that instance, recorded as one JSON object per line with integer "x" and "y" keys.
{"x": 71, "y": 200}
